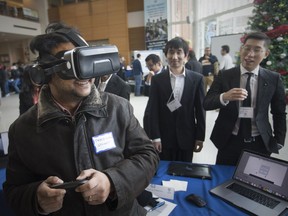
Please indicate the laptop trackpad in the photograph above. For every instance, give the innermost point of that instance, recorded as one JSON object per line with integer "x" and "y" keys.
{"x": 250, "y": 205}
{"x": 241, "y": 201}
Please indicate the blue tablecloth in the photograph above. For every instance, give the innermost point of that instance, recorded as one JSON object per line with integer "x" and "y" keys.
{"x": 200, "y": 187}
{"x": 4, "y": 210}
{"x": 197, "y": 186}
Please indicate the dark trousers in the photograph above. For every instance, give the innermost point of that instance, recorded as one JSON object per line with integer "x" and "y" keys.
{"x": 231, "y": 153}
{"x": 176, "y": 155}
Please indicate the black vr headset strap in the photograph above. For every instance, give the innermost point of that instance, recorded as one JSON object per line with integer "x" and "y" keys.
{"x": 39, "y": 74}
{"x": 66, "y": 65}
{"x": 75, "y": 38}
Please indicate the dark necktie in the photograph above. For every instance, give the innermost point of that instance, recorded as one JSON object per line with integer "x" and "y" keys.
{"x": 245, "y": 123}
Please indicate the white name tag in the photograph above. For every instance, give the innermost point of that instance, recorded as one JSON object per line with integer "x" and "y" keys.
{"x": 161, "y": 191}
{"x": 246, "y": 112}
{"x": 103, "y": 142}
{"x": 173, "y": 105}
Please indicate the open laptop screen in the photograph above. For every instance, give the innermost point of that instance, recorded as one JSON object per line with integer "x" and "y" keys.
{"x": 266, "y": 173}
{"x": 3, "y": 144}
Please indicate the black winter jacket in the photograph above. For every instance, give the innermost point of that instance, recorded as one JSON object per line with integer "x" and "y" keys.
{"x": 45, "y": 142}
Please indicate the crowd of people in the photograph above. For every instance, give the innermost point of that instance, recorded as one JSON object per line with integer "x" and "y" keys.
{"x": 85, "y": 128}
{"x": 10, "y": 79}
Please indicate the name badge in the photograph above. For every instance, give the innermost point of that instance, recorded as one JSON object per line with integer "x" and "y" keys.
{"x": 103, "y": 142}
{"x": 173, "y": 105}
{"x": 246, "y": 112}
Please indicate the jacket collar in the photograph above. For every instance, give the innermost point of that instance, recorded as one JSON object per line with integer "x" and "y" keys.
{"x": 94, "y": 104}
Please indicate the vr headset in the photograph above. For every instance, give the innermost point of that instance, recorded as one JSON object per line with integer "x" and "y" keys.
{"x": 82, "y": 62}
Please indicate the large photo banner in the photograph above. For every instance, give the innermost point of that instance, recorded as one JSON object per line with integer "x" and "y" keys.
{"x": 155, "y": 15}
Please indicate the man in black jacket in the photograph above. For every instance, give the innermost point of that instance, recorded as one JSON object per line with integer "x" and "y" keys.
{"x": 177, "y": 117}
{"x": 230, "y": 92}
{"x": 76, "y": 133}
{"x": 192, "y": 63}
{"x": 112, "y": 83}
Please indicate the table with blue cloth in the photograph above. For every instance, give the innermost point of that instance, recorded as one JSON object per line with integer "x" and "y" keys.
{"x": 220, "y": 174}
{"x": 197, "y": 186}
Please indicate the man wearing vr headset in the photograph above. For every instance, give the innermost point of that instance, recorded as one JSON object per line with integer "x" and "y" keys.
{"x": 75, "y": 133}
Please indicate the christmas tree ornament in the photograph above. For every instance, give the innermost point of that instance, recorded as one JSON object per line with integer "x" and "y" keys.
{"x": 270, "y": 28}
{"x": 282, "y": 55}
{"x": 279, "y": 39}
{"x": 269, "y": 63}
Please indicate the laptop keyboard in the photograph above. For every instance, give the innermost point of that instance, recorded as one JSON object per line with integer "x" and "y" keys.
{"x": 253, "y": 195}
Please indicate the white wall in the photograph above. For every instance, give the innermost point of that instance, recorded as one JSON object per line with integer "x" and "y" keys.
{"x": 135, "y": 19}
{"x": 19, "y": 26}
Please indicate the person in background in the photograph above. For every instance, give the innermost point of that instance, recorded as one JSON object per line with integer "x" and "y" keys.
{"x": 15, "y": 77}
{"x": 112, "y": 83}
{"x": 154, "y": 64}
{"x": 226, "y": 61}
{"x": 177, "y": 117}
{"x": 4, "y": 81}
{"x": 243, "y": 120}
{"x": 138, "y": 74}
{"x": 192, "y": 63}
{"x": 122, "y": 72}
{"x": 210, "y": 67}
{"x": 75, "y": 132}
{"x": 29, "y": 93}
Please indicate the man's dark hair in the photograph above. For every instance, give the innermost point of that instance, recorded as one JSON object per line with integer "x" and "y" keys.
{"x": 44, "y": 43}
{"x": 154, "y": 58}
{"x": 138, "y": 55}
{"x": 191, "y": 54}
{"x": 259, "y": 36}
{"x": 177, "y": 43}
{"x": 226, "y": 48}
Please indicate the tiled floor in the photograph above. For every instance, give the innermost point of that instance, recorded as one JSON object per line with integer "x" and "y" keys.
{"x": 9, "y": 111}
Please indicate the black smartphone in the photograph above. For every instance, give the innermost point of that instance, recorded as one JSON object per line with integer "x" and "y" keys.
{"x": 69, "y": 185}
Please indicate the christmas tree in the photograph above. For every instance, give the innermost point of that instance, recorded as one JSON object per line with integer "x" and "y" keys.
{"x": 271, "y": 17}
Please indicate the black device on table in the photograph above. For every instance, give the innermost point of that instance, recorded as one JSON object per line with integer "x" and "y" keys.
{"x": 195, "y": 199}
{"x": 69, "y": 185}
{"x": 192, "y": 170}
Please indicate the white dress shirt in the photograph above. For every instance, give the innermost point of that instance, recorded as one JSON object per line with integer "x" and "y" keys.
{"x": 177, "y": 84}
{"x": 226, "y": 62}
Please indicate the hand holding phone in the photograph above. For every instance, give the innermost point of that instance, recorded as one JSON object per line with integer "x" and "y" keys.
{"x": 69, "y": 185}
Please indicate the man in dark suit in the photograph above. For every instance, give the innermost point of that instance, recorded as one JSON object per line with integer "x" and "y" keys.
{"x": 112, "y": 83}
{"x": 229, "y": 92}
{"x": 177, "y": 117}
{"x": 154, "y": 64}
{"x": 192, "y": 63}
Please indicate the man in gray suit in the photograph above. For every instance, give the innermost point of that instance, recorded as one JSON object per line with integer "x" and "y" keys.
{"x": 229, "y": 92}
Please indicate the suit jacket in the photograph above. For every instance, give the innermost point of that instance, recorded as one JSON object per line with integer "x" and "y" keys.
{"x": 187, "y": 123}
{"x": 137, "y": 68}
{"x": 117, "y": 86}
{"x": 194, "y": 65}
{"x": 270, "y": 93}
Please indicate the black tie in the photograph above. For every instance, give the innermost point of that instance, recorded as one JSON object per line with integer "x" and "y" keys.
{"x": 245, "y": 123}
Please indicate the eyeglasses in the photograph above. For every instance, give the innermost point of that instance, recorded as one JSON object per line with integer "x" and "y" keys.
{"x": 255, "y": 50}
{"x": 150, "y": 66}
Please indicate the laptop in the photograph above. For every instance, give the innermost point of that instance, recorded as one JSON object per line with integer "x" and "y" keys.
{"x": 189, "y": 170}
{"x": 3, "y": 149}
{"x": 259, "y": 185}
